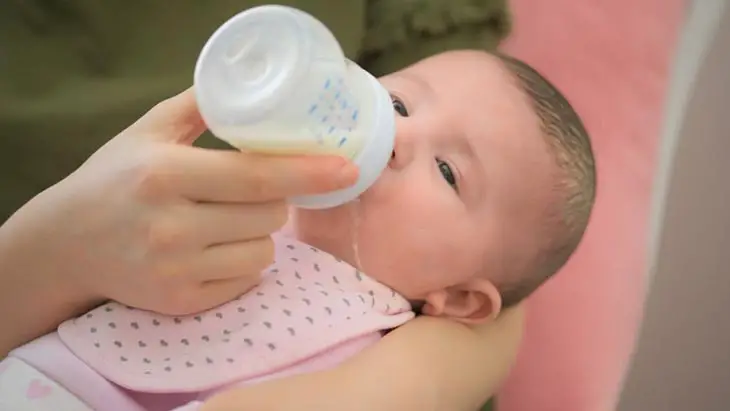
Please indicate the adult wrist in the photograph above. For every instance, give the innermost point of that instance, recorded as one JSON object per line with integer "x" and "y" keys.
{"x": 29, "y": 265}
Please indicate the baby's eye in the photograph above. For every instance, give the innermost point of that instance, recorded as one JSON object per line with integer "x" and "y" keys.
{"x": 447, "y": 173}
{"x": 399, "y": 107}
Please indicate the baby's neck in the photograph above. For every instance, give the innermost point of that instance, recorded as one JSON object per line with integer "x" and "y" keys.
{"x": 333, "y": 231}
{"x": 307, "y": 227}
{"x": 318, "y": 229}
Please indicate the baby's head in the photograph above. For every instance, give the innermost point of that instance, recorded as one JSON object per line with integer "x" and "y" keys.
{"x": 486, "y": 196}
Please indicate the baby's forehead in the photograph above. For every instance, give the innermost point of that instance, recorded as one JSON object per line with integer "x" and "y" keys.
{"x": 475, "y": 83}
{"x": 476, "y": 87}
{"x": 463, "y": 71}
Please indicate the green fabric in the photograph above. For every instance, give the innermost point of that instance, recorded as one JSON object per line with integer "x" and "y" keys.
{"x": 402, "y": 32}
{"x": 73, "y": 73}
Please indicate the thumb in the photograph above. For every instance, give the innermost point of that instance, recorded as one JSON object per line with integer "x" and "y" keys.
{"x": 175, "y": 119}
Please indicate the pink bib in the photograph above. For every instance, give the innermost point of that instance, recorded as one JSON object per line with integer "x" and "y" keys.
{"x": 308, "y": 302}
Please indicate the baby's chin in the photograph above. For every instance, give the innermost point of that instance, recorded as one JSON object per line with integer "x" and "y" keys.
{"x": 331, "y": 230}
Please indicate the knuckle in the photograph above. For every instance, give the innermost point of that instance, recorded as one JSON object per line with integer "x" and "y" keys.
{"x": 239, "y": 287}
{"x": 244, "y": 285}
{"x": 166, "y": 273}
{"x": 258, "y": 183}
{"x": 161, "y": 106}
{"x": 163, "y": 235}
{"x": 264, "y": 254}
{"x": 180, "y": 301}
{"x": 279, "y": 215}
{"x": 151, "y": 179}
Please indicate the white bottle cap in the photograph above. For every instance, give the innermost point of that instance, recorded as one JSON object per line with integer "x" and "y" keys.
{"x": 244, "y": 71}
{"x": 261, "y": 71}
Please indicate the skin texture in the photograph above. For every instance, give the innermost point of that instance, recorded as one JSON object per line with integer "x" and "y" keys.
{"x": 418, "y": 376}
{"x": 448, "y": 244}
{"x": 471, "y": 362}
{"x": 190, "y": 226}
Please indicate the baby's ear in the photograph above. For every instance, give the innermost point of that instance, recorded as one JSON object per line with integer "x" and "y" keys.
{"x": 473, "y": 302}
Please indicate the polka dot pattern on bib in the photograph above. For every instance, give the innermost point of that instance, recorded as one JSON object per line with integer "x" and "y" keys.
{"x": 308, "y": 301}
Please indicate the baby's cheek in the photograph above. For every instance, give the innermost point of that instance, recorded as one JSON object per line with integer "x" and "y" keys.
{"x": 414, "y": 240}
{"x": 414, "y": 261}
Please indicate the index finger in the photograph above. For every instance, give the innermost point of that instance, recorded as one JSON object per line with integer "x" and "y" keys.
{"x": 176, "y": 120}
{"x": 237, "y": 177}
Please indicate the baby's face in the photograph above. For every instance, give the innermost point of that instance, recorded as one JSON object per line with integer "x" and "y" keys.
{"x": 464, "y": 190}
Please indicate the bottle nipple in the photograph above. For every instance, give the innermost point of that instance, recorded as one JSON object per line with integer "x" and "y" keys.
{"x": 250, "y": 64}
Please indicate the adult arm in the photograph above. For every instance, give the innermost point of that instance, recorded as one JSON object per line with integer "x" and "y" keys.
{"x": 151, "y": 222}
{"x": 33, "y": 296}
{"x": 427, "y": 364}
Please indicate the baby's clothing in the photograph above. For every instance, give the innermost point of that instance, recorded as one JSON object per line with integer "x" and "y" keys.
{"x": 310, "y": 312}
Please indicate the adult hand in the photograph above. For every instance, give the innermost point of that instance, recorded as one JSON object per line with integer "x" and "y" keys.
{"x": 155, "y": 223}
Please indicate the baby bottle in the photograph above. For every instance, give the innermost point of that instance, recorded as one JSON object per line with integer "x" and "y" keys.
{"x": 273, "y": 79}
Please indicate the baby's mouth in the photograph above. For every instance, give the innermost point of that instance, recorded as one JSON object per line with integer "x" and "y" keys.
{"x": 374, "y": 188}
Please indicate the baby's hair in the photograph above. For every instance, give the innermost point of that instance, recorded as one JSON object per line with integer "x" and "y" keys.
{"x": 570, "y": 146}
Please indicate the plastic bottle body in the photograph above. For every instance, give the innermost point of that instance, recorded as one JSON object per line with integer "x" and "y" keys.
{"x": 319, "y": 117}
{"x": 274, "y": 80}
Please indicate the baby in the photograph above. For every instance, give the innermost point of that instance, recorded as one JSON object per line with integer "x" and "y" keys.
{"x": 487, "y": 194}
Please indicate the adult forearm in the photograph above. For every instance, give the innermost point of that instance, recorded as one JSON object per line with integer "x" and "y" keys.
{"x": 321, "y": 391}
{"x": 332, "y": 390}
{"x": 429, "y": 364}
{"x": 441, "y": 365}
{"x": 34, "y": 298}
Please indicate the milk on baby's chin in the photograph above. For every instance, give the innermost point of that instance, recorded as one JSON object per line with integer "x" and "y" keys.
{"x": 327, "y": 229}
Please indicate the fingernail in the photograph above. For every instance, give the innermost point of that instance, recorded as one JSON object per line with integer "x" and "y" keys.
{"x": 348, "y": 175}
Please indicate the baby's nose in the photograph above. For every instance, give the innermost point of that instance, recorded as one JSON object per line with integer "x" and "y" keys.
{"x": 401, "y": 155}
{"x": 406, "y": 144}
{"x": 392, "y": 162}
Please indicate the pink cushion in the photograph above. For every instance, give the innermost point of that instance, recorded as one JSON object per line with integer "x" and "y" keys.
{"x": 611, "y": 59}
